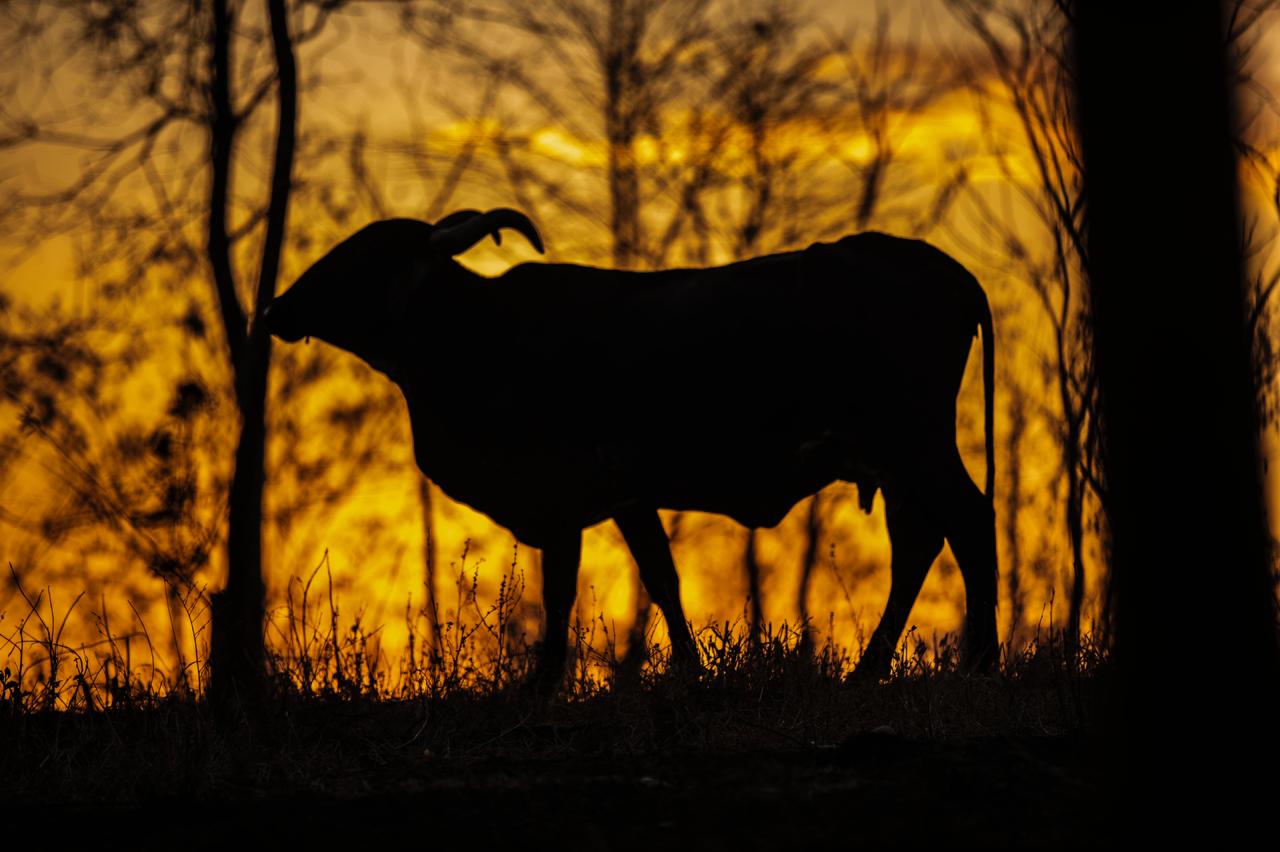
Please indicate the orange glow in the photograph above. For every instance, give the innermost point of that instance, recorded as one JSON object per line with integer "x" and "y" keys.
{"x": 378, "y": 571}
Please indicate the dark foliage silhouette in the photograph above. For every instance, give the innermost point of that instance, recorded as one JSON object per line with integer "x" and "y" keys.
{"x": 589, "y": 350}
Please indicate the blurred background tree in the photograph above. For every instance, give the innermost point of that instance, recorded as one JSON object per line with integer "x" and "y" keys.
{"x": 175, "y": 143}
{"x": 1025, "y": 53}
{"x": 150, "y": 142}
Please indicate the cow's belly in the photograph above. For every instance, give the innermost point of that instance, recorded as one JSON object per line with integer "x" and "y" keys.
{"x": 755, "y": 483}
{"x": 538, "y": 491}
{"x": 765, "y": 507}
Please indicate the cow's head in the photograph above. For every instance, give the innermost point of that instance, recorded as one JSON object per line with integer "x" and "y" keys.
{"x": 351, "y": 296}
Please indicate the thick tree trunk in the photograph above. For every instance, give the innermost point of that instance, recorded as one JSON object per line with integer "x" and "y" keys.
{"x": 1195, "y": 640}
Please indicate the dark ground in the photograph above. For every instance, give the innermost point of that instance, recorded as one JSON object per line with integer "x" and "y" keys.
{"x": 879, "y": 791}
{"x": 991, "y": 762}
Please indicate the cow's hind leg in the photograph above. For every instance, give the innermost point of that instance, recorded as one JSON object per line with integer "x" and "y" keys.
{"x": 969, "y": 525}
{"x": 647, "y": 540}
{"x": 560, "y": 559}
{"x": 916, "y": 540}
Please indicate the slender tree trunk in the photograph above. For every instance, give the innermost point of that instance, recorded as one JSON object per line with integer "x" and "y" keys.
{"x": 623, "y": 190}
{"x": 1075, "y": 527}
{"x": 1013, "y": 509}
{"x": 637, "y": 651}
{"x": 1195, "y": 720}
{"x": 618, "y": 59}
{"x": 429, "y": 560}
{"x": 237, "y": 653}
{"x": 222, "y": 134}
{"x": 809, "y": 561}
{"x": 751, "y": 564}
{"x": 872, "y": 180}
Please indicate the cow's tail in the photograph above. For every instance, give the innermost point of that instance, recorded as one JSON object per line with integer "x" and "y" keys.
{"x": 988, "y": 390}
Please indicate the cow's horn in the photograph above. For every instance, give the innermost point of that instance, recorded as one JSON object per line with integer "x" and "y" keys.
{"x": 456, "y": 217}
{"x": 459, "y": 231}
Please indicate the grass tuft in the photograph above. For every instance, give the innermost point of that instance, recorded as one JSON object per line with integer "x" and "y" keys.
{"x": 120, "y": 719}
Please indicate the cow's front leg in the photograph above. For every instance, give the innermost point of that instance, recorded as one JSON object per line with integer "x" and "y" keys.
{"x": 560, "y": 558}
{"x": 642, "y": 530}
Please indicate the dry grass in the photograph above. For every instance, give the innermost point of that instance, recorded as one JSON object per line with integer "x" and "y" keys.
{"x": 108, "y": 724}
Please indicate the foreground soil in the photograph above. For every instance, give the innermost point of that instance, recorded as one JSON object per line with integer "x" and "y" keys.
{"x": 345, "y": 774}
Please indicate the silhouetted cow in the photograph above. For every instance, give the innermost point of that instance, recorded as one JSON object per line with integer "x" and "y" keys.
{"x": 557, "y": 396}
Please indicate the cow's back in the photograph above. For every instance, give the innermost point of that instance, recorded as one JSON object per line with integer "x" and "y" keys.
{"x": 847, "y": 325}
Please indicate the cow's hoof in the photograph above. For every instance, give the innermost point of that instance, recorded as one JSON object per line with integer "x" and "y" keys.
{"x": 868, "y": 673}
{"x": 863, "y": 678}
{"x": 687, "y": 668}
